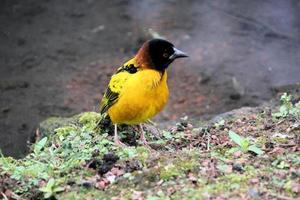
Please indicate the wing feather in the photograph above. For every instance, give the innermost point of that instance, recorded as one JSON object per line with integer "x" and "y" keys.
{"x": 115, "y": 86}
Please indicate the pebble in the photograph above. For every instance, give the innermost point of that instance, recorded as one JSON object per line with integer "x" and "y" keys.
{"x": 254, "y": 193}
{"x": 237, "y": 167}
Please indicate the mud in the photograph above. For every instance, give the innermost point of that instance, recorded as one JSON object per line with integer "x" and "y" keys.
{"x": 56, "y": 58}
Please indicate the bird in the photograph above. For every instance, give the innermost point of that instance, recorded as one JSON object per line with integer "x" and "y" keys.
{"x": 138, "y": 90}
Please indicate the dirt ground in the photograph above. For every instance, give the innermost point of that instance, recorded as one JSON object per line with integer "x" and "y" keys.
{"x": 56, "y": 58}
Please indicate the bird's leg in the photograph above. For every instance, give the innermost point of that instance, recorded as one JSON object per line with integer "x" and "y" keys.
{"x": 116, "y": 137}
{"x": 143, "y": 138}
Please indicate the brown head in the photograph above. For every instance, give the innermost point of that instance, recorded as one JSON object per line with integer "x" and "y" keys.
{"x": 157, "y": 54}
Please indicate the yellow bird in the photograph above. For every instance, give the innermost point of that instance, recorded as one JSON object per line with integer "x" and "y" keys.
{"x": 139, "y": 90}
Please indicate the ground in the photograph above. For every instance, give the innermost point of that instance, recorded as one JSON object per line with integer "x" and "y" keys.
{"x": 249, "y": 153}
{"x": 56, "y": 58}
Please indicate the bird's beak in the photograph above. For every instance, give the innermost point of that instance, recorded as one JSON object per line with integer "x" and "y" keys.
{"x": 177, "y": 54}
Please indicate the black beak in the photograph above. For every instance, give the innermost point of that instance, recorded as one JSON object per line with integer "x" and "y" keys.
{"x": 177, "y": 54}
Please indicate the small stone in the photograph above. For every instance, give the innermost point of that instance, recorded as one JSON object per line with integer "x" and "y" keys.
{"x": 267, "y": 126}
{"x": 101, "y": 184}
{"x": 111, "y": 178}
{"x": 190, "y": 126}
{"x": 104, "y": 168}
{"x": 269, "y": 145}
{"x": 110, "y": 157}
{"x": 116, "y": 171}
{"x": 94, "y": 164}
{"x": 192, "y": 178}
{"x": 254, "y": 193}
{"x": 133, "y": 166}
{"x": 237, "y": 154}
{"x": 86, "y": 184}
{"x": 237, "y": 167}
{"x": 254, "y": 180}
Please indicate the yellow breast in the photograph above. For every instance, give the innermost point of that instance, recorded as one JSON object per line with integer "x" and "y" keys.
{"x": 144, "y": 95}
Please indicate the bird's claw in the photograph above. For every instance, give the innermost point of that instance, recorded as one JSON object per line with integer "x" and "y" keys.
{"x": 119, "y": 143}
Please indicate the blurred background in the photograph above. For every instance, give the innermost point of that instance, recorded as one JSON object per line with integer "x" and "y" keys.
{"x": 56, "y": 57}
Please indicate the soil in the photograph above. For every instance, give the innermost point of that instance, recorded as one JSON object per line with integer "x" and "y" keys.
{"x": 252, "y": 153}
{"x": 56, "y": 58}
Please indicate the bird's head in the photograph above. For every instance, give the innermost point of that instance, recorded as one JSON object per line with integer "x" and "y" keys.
{"x": 159, "y": 54}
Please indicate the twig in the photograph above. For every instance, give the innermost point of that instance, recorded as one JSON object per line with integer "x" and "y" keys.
{"x": 208, "y": 141}
{"x": 287, "y": 145}
{"x": 37, "y": 134}
{"x": 15, "y": 196}
{"x": 4, "y": 196}
{"x": 280, "y": 122}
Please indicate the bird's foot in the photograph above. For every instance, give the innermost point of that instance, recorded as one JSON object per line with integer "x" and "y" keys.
{"x": 143, "y": 139}
{"x": 119, "y": 143}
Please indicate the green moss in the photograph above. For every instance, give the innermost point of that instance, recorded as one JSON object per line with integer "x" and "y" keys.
{"x": 89, "y": 119}
{"x": 228, "y": 183}
{"x": 177, "y": 166}
{"x": 47, "y": 127}
{"x": 280, "y": 140}
{"x": 66, "y": 130}
{"x": 169, "y": 171}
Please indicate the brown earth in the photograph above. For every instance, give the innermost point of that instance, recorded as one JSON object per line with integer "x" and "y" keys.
{"x": 56, "y": 58}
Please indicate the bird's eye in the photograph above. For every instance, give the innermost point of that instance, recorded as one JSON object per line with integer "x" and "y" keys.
{"x": 166, "y": 55}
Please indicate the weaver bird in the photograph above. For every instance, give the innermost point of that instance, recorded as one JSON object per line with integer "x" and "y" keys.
{"x": 138, "y": 90}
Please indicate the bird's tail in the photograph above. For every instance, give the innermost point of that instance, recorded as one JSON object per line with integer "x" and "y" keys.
{"x": 103, "y": 123}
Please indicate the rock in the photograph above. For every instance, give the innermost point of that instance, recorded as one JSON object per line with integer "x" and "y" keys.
{"x": 87, "y": 184}
{"x": 132, "y": 166}
{"x": 237, "y": 167}
{"x": 240, "y": 112}
{"x": 110, "y": 157}
{"x": 254, "y": 193}
{"x": 48, "y": 126}
{"x": 237, "y": 154}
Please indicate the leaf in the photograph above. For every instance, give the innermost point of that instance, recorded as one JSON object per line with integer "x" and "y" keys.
{"x": 167, "y": 135}
{"x": 236, "y": 138}
{"x": 58, "y": 189}
{"x": 47, "y": 195}
{"x": 50, "y": 183}
{"x": 129, "y": 152}
{"x": 245, "y": 145}
{"x": 38, "y": 146}
{"x": 233, "y": 150}
{"x": 256, "y": 150}
{"x": 219, "y": 124}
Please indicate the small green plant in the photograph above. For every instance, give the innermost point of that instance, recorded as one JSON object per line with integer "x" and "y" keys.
{"x": 244, "y": 143}
{"x": 219, "y": 124}
{"x": 39, "y": 145}
{"x": 287, "y": 107}
{"x": 51, "y": 188}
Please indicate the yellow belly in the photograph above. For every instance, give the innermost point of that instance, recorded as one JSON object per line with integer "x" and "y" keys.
{"x": 143, "y": 96}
